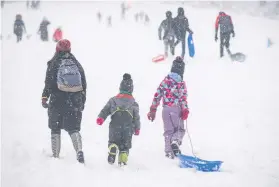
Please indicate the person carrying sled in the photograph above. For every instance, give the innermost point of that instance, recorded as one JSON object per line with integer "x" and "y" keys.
{"x": 226, "y": 29}
{"x": 181, "y": 27}
{"x": 169, "y": 35}
{"x": 19, "y": 27}
{"x": 65, "y": 88}
{"x": 57, "y": 35}
{"x": 175, "y": 108}
{"x": 43, "y": 31}
{"x": 125, "y": 121}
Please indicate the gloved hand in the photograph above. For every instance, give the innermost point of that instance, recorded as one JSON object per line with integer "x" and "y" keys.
{"x": 216, "y": 37}
{"x": 137, "y": 132}
{"x": 160, "y": 37}
{"x": 44, "y": 102}
{"x": 233, "y": 34}
{"x": 100, "y": 121}
{"x": 151, "y": 114}
{"x": 184, "y": 114}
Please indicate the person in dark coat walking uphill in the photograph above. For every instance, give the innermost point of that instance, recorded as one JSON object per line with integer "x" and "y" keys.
{"x": 226, "y": 29}
{"x": 182, "y": 26}
{"x": 19, "y": 27}
{"x": 65, "y": 88}
{"x": 125, "y": 121}
{"x": 169, "y": 35}
{"x": 43, "y": 31}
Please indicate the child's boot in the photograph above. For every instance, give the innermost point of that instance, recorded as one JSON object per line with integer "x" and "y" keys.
{"x": 123, "y": 158}
{"x": 175, "y": 148}
{"x": 113, "y": 148}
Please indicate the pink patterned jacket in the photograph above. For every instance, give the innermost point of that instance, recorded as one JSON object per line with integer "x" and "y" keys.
{"x": 173, "y": 91}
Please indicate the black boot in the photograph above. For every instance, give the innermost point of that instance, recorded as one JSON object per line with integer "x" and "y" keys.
{"x": 112, "y": 153}
{"x": 77, "y": 143}
{"x": 175, "y": 148}
{"x": 80, "y": 157}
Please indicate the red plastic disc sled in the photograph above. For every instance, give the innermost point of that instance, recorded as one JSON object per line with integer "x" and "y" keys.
{"x": 158, "y": 58}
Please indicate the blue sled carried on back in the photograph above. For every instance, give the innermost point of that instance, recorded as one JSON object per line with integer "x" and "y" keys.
{"x": 191, "y": 46}
{"x": 199, "y": 164}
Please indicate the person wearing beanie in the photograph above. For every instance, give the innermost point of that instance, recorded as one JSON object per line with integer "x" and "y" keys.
{"x": 175, "y": 107}
{"x": 181, "y": 27}
{"x": 19, "y": 27}
{"x": 169, "y": 35}
{"x": 65, "y": 88}
{"x": 125, "y": 121}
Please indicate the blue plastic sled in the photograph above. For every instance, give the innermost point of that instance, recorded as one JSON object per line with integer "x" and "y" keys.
{"x": 191, "y": 45}
{"x": 199, "y": 164}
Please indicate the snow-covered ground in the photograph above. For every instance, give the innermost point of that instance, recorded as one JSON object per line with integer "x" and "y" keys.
{"x": 233, "y": 106}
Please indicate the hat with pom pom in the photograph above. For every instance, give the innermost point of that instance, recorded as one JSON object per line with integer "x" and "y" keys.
{"x": 178, "y": 66}
{"x": 126, "y": 85}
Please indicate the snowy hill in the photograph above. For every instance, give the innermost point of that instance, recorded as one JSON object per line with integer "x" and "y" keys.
{"x": 233, "y": 106}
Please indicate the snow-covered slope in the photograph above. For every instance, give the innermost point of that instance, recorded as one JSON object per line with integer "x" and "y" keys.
{"x": 233, "y": 106}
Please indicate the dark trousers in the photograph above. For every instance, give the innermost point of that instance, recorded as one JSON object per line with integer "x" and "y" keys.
{"x": 121, "y": 136}
{"x": 225, "y": 41}
{"x": 183, "y": 45}
{"x": 169, "y": 44}
{"x": 69, "y": 121}
{"x": 18, "y": 37}
{"x": 44, "y": 36}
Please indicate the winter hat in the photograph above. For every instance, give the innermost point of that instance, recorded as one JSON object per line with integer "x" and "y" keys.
{"x": 126, "y": 85}
{"x": 178, "y": 66}
{"x": 180, "y": 11}
{"x": 63, "y": 45}
{"x": 168, "y": 14}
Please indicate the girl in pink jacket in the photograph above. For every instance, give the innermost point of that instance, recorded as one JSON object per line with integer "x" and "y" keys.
{"x": 173, "y": 91}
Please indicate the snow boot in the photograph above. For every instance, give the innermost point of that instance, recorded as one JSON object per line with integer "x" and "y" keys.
{"x": 80, "y": 157}
{"x": 175, "y": 148}
{"x": 123, "y": 158}
{"x": 113, "y": 148}
{"x": 77, "y": 143}
{"x": 170, "y": 155}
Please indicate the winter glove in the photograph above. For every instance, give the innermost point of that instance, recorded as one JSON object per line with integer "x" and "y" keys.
{"x": 137, "y": 132}
{"x": 184, "y": 114}
{"x": 152, "y": 114}
{"x": 100, "y": 121}
{"x": 216, "y": 37}
{"x": 160, "y": 37}
{"x": 44, "y": 102}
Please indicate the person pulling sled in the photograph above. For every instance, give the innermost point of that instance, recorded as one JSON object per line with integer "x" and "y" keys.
{"x": 125, "y": 121}
{"x": 226, "y": 29}
{"x": 175, "y": 108}
{"x": 65, "y": 88}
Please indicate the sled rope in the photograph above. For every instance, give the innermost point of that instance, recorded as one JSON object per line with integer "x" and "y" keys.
{"x": 190, "y": 140}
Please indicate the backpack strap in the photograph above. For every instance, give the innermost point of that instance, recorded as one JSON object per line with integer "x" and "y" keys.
{"x": 118, "y": 109}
